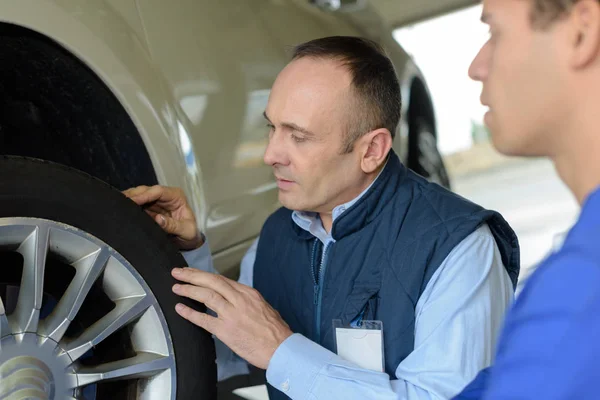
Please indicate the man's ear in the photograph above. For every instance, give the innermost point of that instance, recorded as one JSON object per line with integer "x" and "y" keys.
{"x": 374, "y": 149}
{"x": 584, "y": 33}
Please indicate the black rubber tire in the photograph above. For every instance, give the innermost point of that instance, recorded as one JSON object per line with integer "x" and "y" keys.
{"x": 432, "y": 168}
{"x": 35, "y": 188}
{"x": 53, "y": 107}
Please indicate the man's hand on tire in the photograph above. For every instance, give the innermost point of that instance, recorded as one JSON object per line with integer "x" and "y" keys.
{"x": 245, "y": 322}
{"x": 169, "y": 208}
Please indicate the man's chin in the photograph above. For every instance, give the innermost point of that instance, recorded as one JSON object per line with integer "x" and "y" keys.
{"x": 514, "y": 146}
{"x": 291, "y": 202}
{"x": 507, "y": 149}
{"x": 286, "y": 200}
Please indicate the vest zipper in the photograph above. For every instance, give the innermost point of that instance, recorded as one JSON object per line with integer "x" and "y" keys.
{"x": 318, "y": 279}
{"x": 313, "y": 272}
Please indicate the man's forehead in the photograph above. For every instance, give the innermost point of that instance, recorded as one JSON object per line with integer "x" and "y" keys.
{"x": 494, "y": 9}
{"x": 309, "y": 83}
{"x": 309, "y": 70}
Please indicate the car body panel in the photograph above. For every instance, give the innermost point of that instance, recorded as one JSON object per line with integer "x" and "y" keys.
{"x": 195, "y": 79}
{"x": 221, "y": 84}
{"x": 109, "y": 44}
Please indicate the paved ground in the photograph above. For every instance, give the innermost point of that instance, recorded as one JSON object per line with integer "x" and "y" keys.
{"x": 531, "y": 198}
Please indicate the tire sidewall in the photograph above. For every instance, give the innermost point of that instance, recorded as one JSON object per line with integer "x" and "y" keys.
{"x": 37, "y": 189}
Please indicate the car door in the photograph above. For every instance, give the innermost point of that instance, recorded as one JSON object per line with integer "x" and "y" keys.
{"x": 220, "y": 65}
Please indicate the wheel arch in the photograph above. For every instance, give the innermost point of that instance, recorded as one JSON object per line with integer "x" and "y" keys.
{"x": 104, "y": 42}
{"x": 420, "y": 104}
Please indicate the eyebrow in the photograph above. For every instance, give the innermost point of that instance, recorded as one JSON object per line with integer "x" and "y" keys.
{"x": 291, "y": 125}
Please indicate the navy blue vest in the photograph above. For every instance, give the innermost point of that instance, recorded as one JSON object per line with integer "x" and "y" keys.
{"x": 387, "y": 247}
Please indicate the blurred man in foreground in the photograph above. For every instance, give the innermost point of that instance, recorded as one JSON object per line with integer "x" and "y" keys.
{"x": 540, "y": 71}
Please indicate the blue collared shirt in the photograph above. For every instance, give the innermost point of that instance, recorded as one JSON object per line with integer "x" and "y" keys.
{"x": 458, "y": 318}
{"x": 550, "y": 344}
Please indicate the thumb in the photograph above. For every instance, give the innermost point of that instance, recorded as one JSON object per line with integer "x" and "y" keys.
{"x": 168, "y": 224}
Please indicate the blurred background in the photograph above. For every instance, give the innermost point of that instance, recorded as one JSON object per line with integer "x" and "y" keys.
{"x": 528, "y": 193}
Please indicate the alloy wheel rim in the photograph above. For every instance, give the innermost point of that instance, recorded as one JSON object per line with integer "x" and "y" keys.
{"x": 37, "y": 359}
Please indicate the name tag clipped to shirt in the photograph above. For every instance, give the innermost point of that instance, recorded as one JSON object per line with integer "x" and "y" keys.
{"x": 361, "y": 342}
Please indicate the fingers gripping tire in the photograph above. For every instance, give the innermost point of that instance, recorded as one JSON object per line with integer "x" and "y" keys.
{"x": 52, "y": 192}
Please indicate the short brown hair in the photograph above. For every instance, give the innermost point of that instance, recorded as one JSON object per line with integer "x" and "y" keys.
{"x": 374, "y": 80}
{"x": 545, "y": 12}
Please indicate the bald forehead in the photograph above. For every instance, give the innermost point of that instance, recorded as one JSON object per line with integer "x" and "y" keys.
{"x": 325, "y": 74}
{"x": 312, "y": 93}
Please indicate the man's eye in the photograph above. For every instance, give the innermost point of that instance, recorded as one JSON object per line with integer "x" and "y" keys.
{"x": 271, "y": 129}
{"x": 298, "y": 139}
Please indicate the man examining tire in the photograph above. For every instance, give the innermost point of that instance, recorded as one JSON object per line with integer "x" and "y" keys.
{"x": 361, "y": 242}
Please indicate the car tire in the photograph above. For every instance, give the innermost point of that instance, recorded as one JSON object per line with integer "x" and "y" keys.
{"x": 54, "y": 107}
{"x": 424, "y": 156}
{"x": 35, "y": 190}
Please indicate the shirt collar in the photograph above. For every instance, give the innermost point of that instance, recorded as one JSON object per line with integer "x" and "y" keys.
{"x": 310, "y": 221}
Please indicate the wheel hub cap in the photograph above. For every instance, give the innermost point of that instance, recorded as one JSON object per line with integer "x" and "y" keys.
{"x": 38, "y": 361}
{"x": 36, "y": 368}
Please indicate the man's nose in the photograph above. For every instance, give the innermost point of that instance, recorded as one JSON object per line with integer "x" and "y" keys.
{"x": 275, "y": 152}
{"x": 479, "y": 66}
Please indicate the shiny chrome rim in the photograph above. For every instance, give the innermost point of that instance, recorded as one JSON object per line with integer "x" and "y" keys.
{"x": 37, "y": 359}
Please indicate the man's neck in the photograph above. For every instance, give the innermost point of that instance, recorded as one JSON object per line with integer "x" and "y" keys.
{"x": 577, "y": 149}
{"x": 578, "y": 163}
{"x": 327, "y": 217}
{"x": 327, "y": 221}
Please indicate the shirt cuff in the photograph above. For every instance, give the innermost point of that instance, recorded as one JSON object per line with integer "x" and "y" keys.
{"x": 296, "y": 364}
{"x": 200, "y": 258}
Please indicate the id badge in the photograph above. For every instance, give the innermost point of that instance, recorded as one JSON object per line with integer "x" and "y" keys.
{"x": 361, "y": 343}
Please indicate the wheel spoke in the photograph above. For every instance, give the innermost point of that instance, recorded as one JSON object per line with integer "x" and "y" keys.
{"x": 4, "y": 327}
{"x": 88, "y": 270}
{"x": 143, "y": 365}
{"x": 22, "y": 392}
{"x": 34, "y": 250}
{"x": 125, "y": 311}
{"x": 53, "y": 356}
